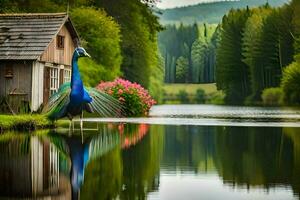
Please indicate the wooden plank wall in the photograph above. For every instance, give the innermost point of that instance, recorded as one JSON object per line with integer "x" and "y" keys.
{"x": 37, "y": 85}
{"x": 60, "y": 56}
{"x": 19, "y": 83}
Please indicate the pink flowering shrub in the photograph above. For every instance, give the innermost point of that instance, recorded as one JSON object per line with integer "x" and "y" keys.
{"x": 135, "y": 99}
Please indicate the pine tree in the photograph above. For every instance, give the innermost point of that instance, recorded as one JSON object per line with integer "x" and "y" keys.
{"x": 232, "y": 73}
{"x": 252, "y": 51}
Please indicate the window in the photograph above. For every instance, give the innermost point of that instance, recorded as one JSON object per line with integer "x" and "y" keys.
{"x": 54, "y": 80}
{"x": 60, "y": 41}
{"x": 9, "y": 72}
{"x": 67, "y": 75}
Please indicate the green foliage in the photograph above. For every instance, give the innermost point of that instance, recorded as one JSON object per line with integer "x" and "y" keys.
{"x": 181, "y": 69}
{"x": 290, "y": 84}
{"x": 252, "y": 44}
{"x": 272, "y": 96}
{"x": 198, "y": 60}
{"x": 200, "y": 96}
{"x": 210, "y": 12}
{"x": 156, "y": 81}
{"x": 183, "y": 96}
{"x": 138, "y": 28}
{"x": 255, "y": 46}
{"x": 231, "y": 72}
{"x": 215, "y": 98}
{"x": 295, "y": 4}
{"x": 277, "y": 45}
{"x": 195, "y": 45}
{"x": 102, "y": 41}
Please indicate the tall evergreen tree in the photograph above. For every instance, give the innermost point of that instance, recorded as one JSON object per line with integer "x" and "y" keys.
{"x": 252, "y": 51}
{"x": 276, "y": 45}
{"x": 232, "y": 73}
{"x": 295, "y": 4}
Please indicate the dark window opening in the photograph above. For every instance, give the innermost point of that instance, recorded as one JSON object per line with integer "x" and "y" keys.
{"x": 60, "y": 41}
{"x": 9, "y": 73}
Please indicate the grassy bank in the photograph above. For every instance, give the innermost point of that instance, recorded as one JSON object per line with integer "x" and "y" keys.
{"x": 173, "y": 89}
{"x": 192, "y": 93}
{"x": 24, "y": 122}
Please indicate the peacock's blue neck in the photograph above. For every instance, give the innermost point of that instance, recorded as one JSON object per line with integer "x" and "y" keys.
{"x": 76, "y": 82}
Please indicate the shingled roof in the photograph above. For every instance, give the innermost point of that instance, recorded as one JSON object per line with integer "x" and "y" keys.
{"x": 26, "y": 36}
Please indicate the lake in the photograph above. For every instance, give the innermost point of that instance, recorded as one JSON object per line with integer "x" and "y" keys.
{"x": 181, "y": 152}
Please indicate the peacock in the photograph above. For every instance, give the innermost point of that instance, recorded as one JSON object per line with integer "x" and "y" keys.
{"x": 72, "y": 98}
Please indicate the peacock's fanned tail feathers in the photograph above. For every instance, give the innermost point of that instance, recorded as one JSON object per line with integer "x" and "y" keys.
{"x": 104, "y": 104}
{"x": 57, "y": 105}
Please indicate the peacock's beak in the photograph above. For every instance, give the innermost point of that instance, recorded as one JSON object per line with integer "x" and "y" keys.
{"x": 87, "y": 55}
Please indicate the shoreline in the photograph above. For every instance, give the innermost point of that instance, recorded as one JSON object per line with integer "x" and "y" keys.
{"x": 24, "y": 122}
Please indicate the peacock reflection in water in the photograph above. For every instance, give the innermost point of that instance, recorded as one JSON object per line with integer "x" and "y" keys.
{"x": 128, "y": 161}
{"x": 51, "y": 164}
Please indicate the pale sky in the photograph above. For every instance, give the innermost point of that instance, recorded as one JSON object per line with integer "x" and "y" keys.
{"x": 180, "y": 3}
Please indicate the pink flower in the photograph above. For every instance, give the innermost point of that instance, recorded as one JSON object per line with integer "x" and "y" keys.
{"x": 120, "y": 91}
{"x": 132, "y": 95}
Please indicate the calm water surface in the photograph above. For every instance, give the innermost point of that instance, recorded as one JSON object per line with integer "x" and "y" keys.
{"x": 151, "y": 161}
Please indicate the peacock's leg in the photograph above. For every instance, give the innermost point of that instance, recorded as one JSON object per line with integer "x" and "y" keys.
{"x": 81, "y": 126}
{"x": 81, "y": 122}
{"x": 72, "y": 125}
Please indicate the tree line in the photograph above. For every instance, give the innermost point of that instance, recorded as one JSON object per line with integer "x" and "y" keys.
{"x": 255, "y": 50}
{"x": 209, "y": 11}
{"x": 120, "y": 35}
{"x": 189, "y": 53}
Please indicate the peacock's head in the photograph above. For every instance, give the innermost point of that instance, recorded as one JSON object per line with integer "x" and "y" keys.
{"x": 81, "y": 52}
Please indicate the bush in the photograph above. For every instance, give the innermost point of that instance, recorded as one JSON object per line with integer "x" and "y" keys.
{"x": 272, "y": 96}
{"x": 183, "y": 96}
{"x": 101, "y": 38}
{"x": 200, "y": 96}
{"x": 215, "y": 98}
{"x": 135, "y": 99}
{"x": 290, "y": 84}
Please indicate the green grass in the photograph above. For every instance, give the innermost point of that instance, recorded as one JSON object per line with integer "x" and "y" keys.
{"x": 24, "y": 122}
{"x": 172, "y": 89}
{"x": 212, "y": 95}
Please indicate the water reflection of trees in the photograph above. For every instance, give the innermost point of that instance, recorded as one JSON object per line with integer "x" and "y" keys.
{"x": 129, "y": 169}
{"x": 103, "y": 177}
{"x": 242, "y": 156}
{"x": 129, "y": 173}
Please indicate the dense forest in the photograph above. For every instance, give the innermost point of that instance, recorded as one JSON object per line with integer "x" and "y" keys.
{"x": 189, "y": 53}
{"x": 252, "y": 55}
{"x": 255, "y": 49}
{"x": 211, "y": 12}
{"x": 120, "y": 35}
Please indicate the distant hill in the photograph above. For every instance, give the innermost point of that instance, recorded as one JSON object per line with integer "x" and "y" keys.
{"x": 209, "y": 12}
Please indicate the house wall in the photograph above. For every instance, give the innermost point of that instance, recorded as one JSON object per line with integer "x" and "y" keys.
{"x": 17, "y": 87}
{"x": 37, "y": 85}
{"x": 59, "y": 56}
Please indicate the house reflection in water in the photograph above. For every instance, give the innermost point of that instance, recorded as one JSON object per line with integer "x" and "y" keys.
{"x": 30, "y": 167}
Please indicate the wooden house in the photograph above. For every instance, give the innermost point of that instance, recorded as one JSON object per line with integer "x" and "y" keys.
{"x": 35, "y": 56}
